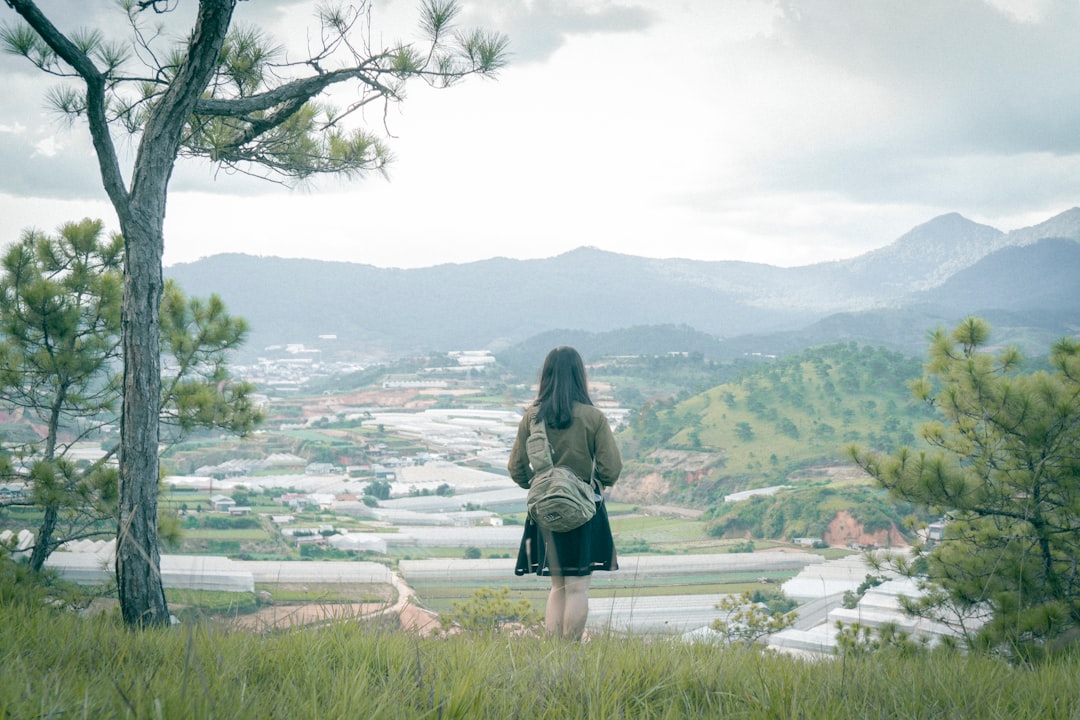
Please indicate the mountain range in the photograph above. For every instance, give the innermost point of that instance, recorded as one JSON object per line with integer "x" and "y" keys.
{"x": 1024, "y": 282}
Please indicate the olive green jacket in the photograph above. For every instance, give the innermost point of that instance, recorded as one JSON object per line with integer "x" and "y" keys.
{"x": 588, "y": 438}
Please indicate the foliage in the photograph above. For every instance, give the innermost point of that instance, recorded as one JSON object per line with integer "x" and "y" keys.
{"x": 232, "y": 98}
{"x": 59, "y": 335}
{"x": 208, "y": 603}
{"x": 857, "y": 639}
{"x": 746, "y": 546}
{"x": 227, "y": 522}
{"x": 489, "y": 609}
{"x": 257, "y": 114}
{"x": 59, "y": 313}
{"x": 443, "y": 490}
{"x": 852, "y": 597}
{"x": 780, "y": 416}
{"x": 1003, "y": 470}
{"x": 23, "y": 589}
{"x": 313, "y": 551}
{"x": 773, "y": 600}
{"x": 378, "y": 489}
{"x": 19, "y": 585}
{"x": 198, "y": 337}
{"x": 633, "y": 545}
{"x": 59, "y": 351}
{"x": 806, "y": 512}
{"x": 640, "y": 356}
{"x": 746, "y": 620}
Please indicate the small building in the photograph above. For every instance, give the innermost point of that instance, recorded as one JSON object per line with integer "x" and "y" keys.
{"x": 358, "y": 542}
{"x": 935, "y": 531}
{"x": 11, "y": 492}
{"x": 298, "y": 501}
{"x": 222, "y": 503}
{"x": 238, "y": 510}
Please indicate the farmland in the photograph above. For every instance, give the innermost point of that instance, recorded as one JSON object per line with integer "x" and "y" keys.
{"x": 404, "y": 478}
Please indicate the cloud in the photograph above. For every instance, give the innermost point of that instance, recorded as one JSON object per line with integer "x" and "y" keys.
{"x": 963, "y": 74}
{"x": 958, "y": 101}
{"x": 44, "y": 164}
{"x": 539, "y": 28}
{"x": 777, "y": 130}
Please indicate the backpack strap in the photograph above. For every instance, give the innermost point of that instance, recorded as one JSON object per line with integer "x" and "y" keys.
{"x": 537, "y": 446}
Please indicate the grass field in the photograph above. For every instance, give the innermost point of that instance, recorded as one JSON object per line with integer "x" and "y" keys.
{"x": 201, "y": 669}
{"x": 659, "y": 530}
{"x": 440, "y": 596}
{"x": 235, "y": 535}
{"x": 326, "y": 592}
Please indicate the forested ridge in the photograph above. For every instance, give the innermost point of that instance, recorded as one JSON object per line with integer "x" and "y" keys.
{"x": 782, "y": 422}
{"x": 784, "y": 414}
{"x": 936, "y": 274}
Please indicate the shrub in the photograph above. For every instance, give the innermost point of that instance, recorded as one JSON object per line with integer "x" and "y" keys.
{"x": 489, "y": 609}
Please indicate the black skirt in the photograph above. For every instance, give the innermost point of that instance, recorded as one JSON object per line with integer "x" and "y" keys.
{"x": 578, "y": 552}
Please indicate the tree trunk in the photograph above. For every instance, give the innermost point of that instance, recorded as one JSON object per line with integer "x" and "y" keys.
{"x": 43, "y": 540}
{"x": 142, "y": 221}
{"x": 141, "y": 211}
{"x": 41, "y": 549}
{"x": 138, "y": 575}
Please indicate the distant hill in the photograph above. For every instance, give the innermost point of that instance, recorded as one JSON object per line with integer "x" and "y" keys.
{"x": 1033, "y": 277}
{"x": 936, "y": 273}
{"x": 524, "y": 358}
{"x": 777, "y": 423}
{"x": 488, "y": 304}
{"x": 920, "y": 259}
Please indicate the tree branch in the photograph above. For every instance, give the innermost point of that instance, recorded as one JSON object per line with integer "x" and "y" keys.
{"x": 302, "y": 89}
{"x": 161, "y": 136}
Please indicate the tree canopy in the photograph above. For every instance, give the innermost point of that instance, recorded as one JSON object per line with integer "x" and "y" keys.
{"x": 229, "y": 97}
{"x": 59, "y": 362}
{"x": 1004, "y": 471}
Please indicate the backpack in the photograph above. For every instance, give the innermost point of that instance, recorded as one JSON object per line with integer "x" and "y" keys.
{"x": 558, "y": 499}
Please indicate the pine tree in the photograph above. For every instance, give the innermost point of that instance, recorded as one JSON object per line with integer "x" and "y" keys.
{"x": 59, "y": 365}
{"x": 1005, "y": 473}
{"x": 224, "y": 96}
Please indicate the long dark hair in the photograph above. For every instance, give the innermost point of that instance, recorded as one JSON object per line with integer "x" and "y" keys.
{"x": 562, "y": 383}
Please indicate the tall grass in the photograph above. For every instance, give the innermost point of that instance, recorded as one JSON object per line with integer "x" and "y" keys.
{"x": 58, "y": 665}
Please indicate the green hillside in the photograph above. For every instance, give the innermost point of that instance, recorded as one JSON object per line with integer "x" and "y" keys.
{"x": 806, "y": 512}
{"x": 779, "y": 418}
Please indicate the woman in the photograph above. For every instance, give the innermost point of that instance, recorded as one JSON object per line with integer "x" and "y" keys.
{"x": 580, "y": 439}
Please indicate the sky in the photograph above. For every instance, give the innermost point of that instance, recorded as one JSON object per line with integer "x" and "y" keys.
{"x": 785, "y": 132}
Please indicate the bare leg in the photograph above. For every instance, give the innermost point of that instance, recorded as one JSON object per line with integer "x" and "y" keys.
{"x": 556, "y": 606}
{"x": 556, "y": 602}
{"x": 575, "y": 606}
